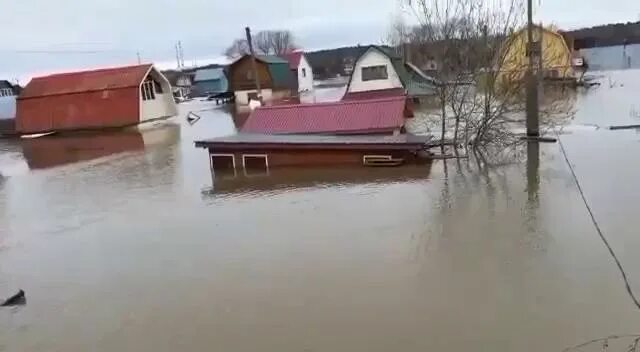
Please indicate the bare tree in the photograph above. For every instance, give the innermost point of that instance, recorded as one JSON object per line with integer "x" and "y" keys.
{"x": 270, "y": 42}
{"x": 238, "y": 48}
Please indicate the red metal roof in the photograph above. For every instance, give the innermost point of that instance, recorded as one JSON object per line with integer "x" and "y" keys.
{"x": 86, "y": 81}
{"x": 374, "y": 94}
{"x": 344, "y": 117}
{"x": 294, "y": 59}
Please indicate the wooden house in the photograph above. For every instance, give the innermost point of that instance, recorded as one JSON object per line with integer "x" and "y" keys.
{"x": 556, "y": 55}
{"x": 104, "y": 98}
{"x": 378, "y": 71}
{"x": 274, "y": 75}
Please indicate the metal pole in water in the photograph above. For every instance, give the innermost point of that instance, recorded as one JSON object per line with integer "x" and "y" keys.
{"x": 532, "y": 84}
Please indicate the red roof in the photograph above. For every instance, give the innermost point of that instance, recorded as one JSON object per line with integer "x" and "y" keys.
{"x": 294, "y": 59}
{"x": 350, "y": 117}
{"x": 86, "y": 81}
{"x": 374, "y": 94}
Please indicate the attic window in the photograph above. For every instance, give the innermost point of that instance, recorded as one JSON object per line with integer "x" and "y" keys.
{"x": 304, "y": 72}
{"x": 146, "y": 90}
{"x": 373, "y": 73}
{"x": 158, "y": 87}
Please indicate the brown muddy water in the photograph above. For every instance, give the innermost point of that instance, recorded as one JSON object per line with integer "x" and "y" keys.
{"x": 124, "y": 242}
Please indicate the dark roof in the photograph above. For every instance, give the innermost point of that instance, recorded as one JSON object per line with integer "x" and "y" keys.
{"x": 415, "y": 82}
{"x": 209, "y": 74}
{"x": 343, "y": 117}
{"x": 86, "y": 81}
{"x": 298, "y": 141}
{"x": 293, "y": 59}
{"x": 271, "y": 59}
{"x": 5, "y": 84}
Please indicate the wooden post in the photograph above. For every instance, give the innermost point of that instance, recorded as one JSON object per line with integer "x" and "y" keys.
{"x": 253, "y": 63}
{"x": 532, "y": 84}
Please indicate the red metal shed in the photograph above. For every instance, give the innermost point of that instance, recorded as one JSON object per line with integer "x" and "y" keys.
{"x": 84, "y": 100}
{"x": 374, "y": 116}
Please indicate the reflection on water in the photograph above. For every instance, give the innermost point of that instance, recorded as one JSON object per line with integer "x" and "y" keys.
{"x": 144, "y": 251}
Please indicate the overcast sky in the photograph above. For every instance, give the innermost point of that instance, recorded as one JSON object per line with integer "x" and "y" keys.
{"x": 44, "y": 37}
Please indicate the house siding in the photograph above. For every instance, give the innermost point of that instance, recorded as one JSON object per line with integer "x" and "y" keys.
{"x": 373, "y": 57}
{"x": 108, "y": 108}
{"x": 280, "y": 158}
{"x": 556, "y": 55}
{"x": 238, "y": 75}
{"x": 305, "y": 83}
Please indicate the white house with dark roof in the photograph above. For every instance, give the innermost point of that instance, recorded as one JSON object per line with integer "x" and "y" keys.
{"x": 378, "y": 71}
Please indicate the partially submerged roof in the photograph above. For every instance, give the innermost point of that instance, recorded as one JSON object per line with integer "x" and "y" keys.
{"x": 248, "y": 141}
{"x": 343, "y": 117}
{"x": 209, "y": 74}
{"x": 86, "y": 81}
{"x": 293, "y": 59}
{"x": 278, "y": 69}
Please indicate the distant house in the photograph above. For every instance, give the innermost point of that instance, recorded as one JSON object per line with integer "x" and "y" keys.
{"x": 210, "y": 81}
{"x": 378, "y": 71}
{"x": 181, "y": 82}
{"x": 7, "y": 89}
{"x": 300, "y": 68}
{"x": 556, "y": 55}
{"x": 276, "y": 80}
{"x": 113, "y": 97}
{"x": 374, "y": 116}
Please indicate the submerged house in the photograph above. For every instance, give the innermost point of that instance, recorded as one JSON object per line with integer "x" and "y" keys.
{"x": 274, "y": 75}
{"x": 301, "y": 70}
{"x": 104, "y": 98}
{"x": 181, "y": 82}
{"x": 361, "y": 132}
{"x": 7, "y": 107}
{"x": 557, "y": 57}
{"x": 379, "y": 72}
{"x": 210, "y": 81}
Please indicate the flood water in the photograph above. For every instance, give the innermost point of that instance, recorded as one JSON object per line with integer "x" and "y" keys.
{"x": 124, "y": 242}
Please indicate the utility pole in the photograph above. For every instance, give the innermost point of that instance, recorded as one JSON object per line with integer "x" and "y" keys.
{"x": 181, "y": 52}
{"x": 253, "y": 62}
{"x": 533, "y": 51}
{"x": 139, "y": 60}
{"x": 177, "y": 56}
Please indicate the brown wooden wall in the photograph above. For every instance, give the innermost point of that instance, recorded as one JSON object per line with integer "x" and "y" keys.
{"x": 318, "y": 157}
{"x": 238, "y": 75}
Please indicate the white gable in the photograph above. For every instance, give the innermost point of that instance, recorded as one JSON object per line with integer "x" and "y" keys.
{"x": 373, "y": 57}
{"x": 305, "y": 75}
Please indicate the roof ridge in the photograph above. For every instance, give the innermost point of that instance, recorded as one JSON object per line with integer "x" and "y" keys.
{"x": 98, "y": 70}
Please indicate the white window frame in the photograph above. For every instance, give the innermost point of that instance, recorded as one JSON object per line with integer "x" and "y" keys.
{"x": 374, "y": 156}
{"x": 212, "y": 155}
{"x": 244, "y": 164}
{"x": 386, "y": 71}
{"x": 6, "y": 92}
{"x": 148, "y": 90}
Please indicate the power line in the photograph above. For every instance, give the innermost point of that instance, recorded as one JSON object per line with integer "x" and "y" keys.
{"x": 597, "y": 226}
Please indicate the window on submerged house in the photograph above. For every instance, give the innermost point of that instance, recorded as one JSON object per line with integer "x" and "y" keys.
{"x": 372, "y": 73}
{"x": 146, "y": 90}
{"x": 158, "y": 87}
{"x": 304, "y": 72}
